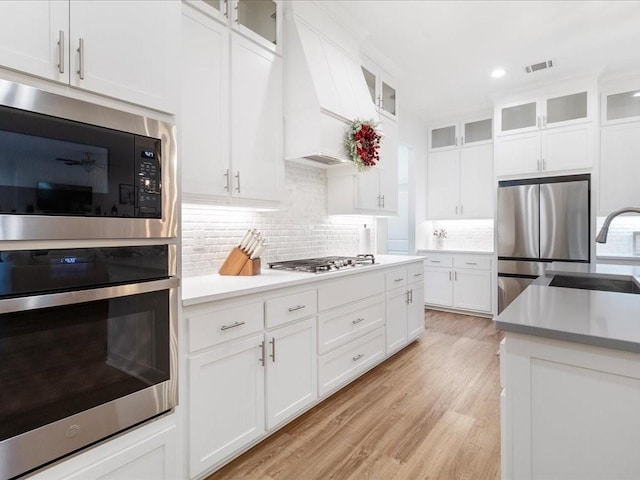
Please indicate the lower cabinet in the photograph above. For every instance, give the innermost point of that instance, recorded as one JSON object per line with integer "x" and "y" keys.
{"x": 226, "y": 409}
{"x": 290, "y": 359}
{"x": 568, "y": 410}
{"x": 259, "y": 360}
{"x": 458, "y": 281}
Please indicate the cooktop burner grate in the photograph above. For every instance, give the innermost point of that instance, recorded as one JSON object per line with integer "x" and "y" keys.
{"x": 323, "y": 264}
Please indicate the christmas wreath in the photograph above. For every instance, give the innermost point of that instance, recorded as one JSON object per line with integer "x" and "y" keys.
{"x": 363, "y": 144}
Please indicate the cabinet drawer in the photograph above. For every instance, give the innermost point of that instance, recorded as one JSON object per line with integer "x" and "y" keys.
{"x": 477, "y": 262}
{"x": 282, "y": 310}
{"x": 415, "y": 273}
{"x": 395, "y": 278}
{"x": 350, "y": 289}
{"x": 347, "y": 362}
{"x": 214, "y": 325}
{"x": 342, "y": 325}
{"x": 439, "y": 259}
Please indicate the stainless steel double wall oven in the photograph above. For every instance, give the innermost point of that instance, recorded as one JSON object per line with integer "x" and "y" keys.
{"x": 88, "y": 274}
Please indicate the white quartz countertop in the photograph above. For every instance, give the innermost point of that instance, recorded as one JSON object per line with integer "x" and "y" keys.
{"x": 607, "y": 319}
{"x": 214, "y": 287}
{"x": 423, "y": 251}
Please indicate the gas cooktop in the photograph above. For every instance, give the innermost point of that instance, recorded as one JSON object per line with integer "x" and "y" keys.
{"x": 323, "y": 264}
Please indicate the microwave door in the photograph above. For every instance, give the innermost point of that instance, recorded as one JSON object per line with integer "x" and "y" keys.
{"x": 519, "y": 221}
{"x": 564, "y": 221}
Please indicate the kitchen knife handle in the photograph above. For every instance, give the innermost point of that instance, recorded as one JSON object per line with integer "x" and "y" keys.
{"x": 80, "y": 51}
{"x": 61, "y": 51}
{"x": 273, "y": 350}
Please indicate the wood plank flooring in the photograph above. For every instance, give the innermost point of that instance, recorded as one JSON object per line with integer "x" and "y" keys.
{"x": 431, "y": 411}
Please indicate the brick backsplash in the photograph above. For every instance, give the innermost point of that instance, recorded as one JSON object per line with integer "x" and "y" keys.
{"x": 301, "y": 228}
{"x": 620, "y": 238}
{"x": 461, "y": 234}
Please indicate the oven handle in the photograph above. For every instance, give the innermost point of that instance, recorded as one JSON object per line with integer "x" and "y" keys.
{"x": 35, "y": 302}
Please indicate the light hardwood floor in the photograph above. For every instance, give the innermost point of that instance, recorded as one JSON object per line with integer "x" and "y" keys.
{"x": 431, "y": 411}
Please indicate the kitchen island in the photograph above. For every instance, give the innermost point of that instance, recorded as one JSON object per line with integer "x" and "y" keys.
{"x": 570, "y": 372}
{"x": 259, "y": 351}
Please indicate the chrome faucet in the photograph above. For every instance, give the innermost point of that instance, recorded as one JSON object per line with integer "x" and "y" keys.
{"x": 604, "y": 231}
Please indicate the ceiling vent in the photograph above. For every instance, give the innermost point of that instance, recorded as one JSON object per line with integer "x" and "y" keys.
{"x": 538, "y": 66}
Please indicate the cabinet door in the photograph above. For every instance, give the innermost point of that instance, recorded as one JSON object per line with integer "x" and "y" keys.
{"x": 415, "y": 313}
{"x": 130, "y": 50}
{"x": 368, "y": 190}
{"x": 517, "y": 154}
{"x": 476, "y": 182}
{"x": 621, "y": 107}
{"x": 619, "y": 167}
{"x": 444, "y": 137}
{"x": 438, "y": 286}
{"x": 396, "y": 319}
{"x": 518, "y": 117}
{"x": 475, "y": 132}
{"x": 388, "y": 101}
{"x": 204, "y": 115}
{"x": 34, "y": 38}
{"x": 292, "y": 381}
{"x": 567, "y": 148}
{"x": 472, "y": 290}
{"x": 226, "y": 409}
{"x": 443, "y": 184}
{"x": 257, "y": 20}
{"x": 388, "y": 172}
{"x": 256, "y": 121}
{"x": 565, "y": 109}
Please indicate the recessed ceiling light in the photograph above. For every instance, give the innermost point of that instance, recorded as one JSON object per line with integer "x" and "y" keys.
{"x": 498, "y": 73}
{"x": 637, "y": 94}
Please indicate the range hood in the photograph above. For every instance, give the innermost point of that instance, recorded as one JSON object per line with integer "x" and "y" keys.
{"x": 325, "y": 91}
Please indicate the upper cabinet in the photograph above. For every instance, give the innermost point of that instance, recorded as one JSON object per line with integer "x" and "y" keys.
{"x": 460, "y": 170}
{"x": 381, "y": 89}
{"x": 546, "y": 134}
{"x": 105, "y": 47}
{"x": 620, "y": 107}
{"x": 461, "y": 134}
{"x": 231, "y": 113}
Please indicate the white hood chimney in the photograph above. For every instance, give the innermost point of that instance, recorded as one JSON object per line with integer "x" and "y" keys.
{"x": 325, "y": 91}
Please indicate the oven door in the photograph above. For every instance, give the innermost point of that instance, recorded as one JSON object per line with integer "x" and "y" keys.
{"x": 80, "y": 366}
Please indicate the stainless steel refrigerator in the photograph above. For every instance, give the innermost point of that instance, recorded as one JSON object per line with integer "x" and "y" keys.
{"x": 540, "y": 221}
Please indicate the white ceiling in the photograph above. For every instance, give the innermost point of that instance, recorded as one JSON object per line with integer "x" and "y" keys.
{"x": 442, "y": 52}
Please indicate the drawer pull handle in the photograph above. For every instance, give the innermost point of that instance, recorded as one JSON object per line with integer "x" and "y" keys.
{"x": 297, "y": 307}
{"x": 261, "y": 359}
{"x": 471, "y": 263}
{"x": 273, "y": 350}
{"x": 227, "y": 327}
{"x": 417, "y": 274}
{"x": 357, "y": 320}
{"x": 358, "y": 357}
{"x": 398, "y": 280}
{"x": 434, "y": 261}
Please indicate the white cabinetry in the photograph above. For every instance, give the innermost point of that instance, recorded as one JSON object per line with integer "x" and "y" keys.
{"x": 458, "y": 281}
{"x": 568, "y": 410}
{"x": 553, "y": 133}
{"x": 460, "y": 182}
{"x": 109, "y": 48}
{"x": 139, "y": 454}
{"x": 404, "y": 306}
{"x": 620, "y": 150}
{"x": 381, "y": 89}
{"x": 374, "y": 192}
{"x": 231, "y": 114}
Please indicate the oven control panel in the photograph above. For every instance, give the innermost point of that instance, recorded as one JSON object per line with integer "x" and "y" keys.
{"x": 148, "y": 178}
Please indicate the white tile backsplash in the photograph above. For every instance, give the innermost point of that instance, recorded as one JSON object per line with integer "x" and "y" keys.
{"x": 300, "y": 229}
{"x": 620, "y": 238}
{"x": 461, "y": 234}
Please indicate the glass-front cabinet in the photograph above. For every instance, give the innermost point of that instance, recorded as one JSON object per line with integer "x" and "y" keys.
{"x": 256, "y": 19}
{"x": 461, "y": 134}
{"x": 621, "y": 107}
{"x": 538, "y": 113}
{"x": 381, "y": 89}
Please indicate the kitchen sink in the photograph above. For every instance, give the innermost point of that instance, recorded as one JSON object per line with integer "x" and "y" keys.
{"x": 595, "y": 283}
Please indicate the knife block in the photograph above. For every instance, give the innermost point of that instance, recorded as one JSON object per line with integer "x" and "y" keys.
{"x": 239, "y": 263}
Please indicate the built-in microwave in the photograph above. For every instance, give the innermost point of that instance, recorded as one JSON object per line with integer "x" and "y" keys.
{"x": 74, "y": 170}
